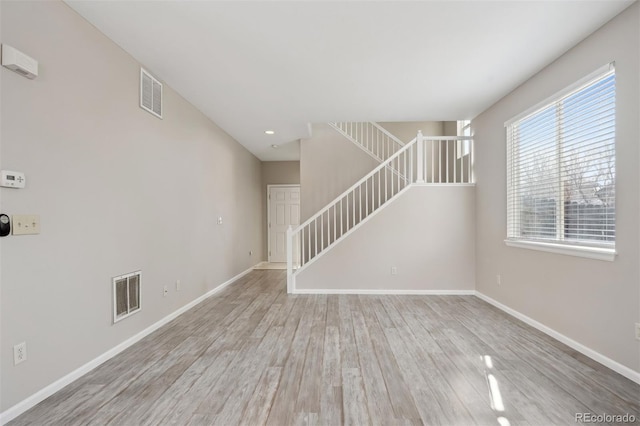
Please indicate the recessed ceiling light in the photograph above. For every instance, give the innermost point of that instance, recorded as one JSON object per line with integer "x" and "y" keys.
{"x": 270, "y": 132}
{"x": 274, "y": 146}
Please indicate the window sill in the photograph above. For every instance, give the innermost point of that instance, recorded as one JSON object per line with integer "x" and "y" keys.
{"x": 579, "y": 251}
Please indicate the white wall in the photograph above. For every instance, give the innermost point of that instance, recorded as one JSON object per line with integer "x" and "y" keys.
{"x": 427, "y": 233}
{"x": 276, "y": 173}
{"x": 595, "y": 303}
{"x": 116, "y": 189}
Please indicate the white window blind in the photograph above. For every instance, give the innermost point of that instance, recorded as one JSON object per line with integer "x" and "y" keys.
{"x": 561, "y": 167}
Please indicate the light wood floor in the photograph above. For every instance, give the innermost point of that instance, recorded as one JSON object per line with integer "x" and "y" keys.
{"x": 253, "y": 355}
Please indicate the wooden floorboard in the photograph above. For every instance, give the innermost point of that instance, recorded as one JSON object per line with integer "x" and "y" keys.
{"x": 253, "y": 355}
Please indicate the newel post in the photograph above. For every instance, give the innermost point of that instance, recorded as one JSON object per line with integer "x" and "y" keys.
{"x": 420, "y": 157}
{"x": 289, "y": 259}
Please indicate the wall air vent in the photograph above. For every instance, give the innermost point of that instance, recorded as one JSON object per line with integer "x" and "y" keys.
{"x": 126, "y": 295}
{"x": 150, "y": 93}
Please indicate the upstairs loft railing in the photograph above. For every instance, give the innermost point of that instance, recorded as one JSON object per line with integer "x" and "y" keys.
{"x": 371, "y": 137}
{"x": 424, "y": 160}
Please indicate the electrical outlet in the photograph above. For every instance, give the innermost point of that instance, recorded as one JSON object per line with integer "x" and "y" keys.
{"x": 394, "y": 270}
{"x": 499, "y": 279}
{"x": 638, "y": 330}
{"x": 19, "y": 353}
{"x": 219, "y": 220}
{"x": 178, "y": 285}
{"x": 166, "y": 290}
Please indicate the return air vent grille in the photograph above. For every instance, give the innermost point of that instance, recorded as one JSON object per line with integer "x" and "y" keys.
{"x": 126, "y": 295}
{"x": 150, "y": 93}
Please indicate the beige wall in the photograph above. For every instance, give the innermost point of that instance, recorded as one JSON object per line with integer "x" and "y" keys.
{"x": 406, "y": 131}
{"x": 427, "y": 233}
{"x": 450, "y": 128}
{"x": 274, "y": 173}
{"x": 595, "y": 303}
{"x": 116, "y": 189}
{"x": 329, "y": 164}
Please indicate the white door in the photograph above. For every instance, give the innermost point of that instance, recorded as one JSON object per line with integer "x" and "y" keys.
{"x": 284, "y": 210}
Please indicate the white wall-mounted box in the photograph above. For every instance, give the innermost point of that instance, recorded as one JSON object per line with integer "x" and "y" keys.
{"x": 12, "y": 179}
{"x": 17, "y": 61}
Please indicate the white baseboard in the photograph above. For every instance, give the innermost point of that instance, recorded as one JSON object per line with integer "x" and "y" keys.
{"x": 596, "y": 356}
{"x": 387, "y": 292}
{"x": 44, "y": 393}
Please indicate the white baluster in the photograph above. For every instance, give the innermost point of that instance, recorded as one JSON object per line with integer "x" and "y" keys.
{"x": 341, "y": 216}
{"x": 366, "y": 197}
{"x": 379, "y": 187}
{"x": 391, "y": 178}
{"x": 360, "y": 204}
{"x": 439, "y": 161}
{"x": 455, "y": 160}
{"x": 398, "y": 171}
{"x": 353, "y": 205}
{"x": 433, "y": 156}
{"x": 335, "y": 227}
{"x": 472, "y": 177}
{"x": 347, "y": 211}
{"x": 322, "y": 232}
{"x": 410, "y": 180}
{"x": 420, "y": 154}
{"x": 406, "y": 175}
{"x": 384, "y": 170}
{"x": 446, "y": 144}
{"x": 309, "y": 256}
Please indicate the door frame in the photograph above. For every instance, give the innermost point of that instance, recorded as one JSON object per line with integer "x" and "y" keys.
{"x": 269, "y": 186}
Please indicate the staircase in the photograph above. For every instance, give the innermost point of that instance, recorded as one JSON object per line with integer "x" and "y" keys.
{"x": 423, "y": 161}
{"x": 370, "y": 137}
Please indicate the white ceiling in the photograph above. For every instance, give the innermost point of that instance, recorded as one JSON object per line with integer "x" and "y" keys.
{"x": 257, "y": 65}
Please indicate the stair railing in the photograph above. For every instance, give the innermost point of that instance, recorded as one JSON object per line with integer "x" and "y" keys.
{"x": 371, "y": 137}
{"x": 424, "y": 160}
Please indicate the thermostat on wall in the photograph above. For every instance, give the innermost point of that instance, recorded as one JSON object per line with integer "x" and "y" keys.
{"x": 12, "y": 179}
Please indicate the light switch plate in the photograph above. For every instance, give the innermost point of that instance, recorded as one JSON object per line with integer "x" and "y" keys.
{"x": 25, "y": 224}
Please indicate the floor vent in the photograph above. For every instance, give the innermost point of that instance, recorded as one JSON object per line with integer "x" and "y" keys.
{"x": 126, "y": 295}
{"x": 150, "y": 93}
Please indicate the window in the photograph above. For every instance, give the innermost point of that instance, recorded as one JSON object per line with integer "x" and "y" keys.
{"x": 126, "y": 295}
{"x": 464, "y": 146}
{"x": 464, "y": 127}
{"x": 561, "y": 171}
